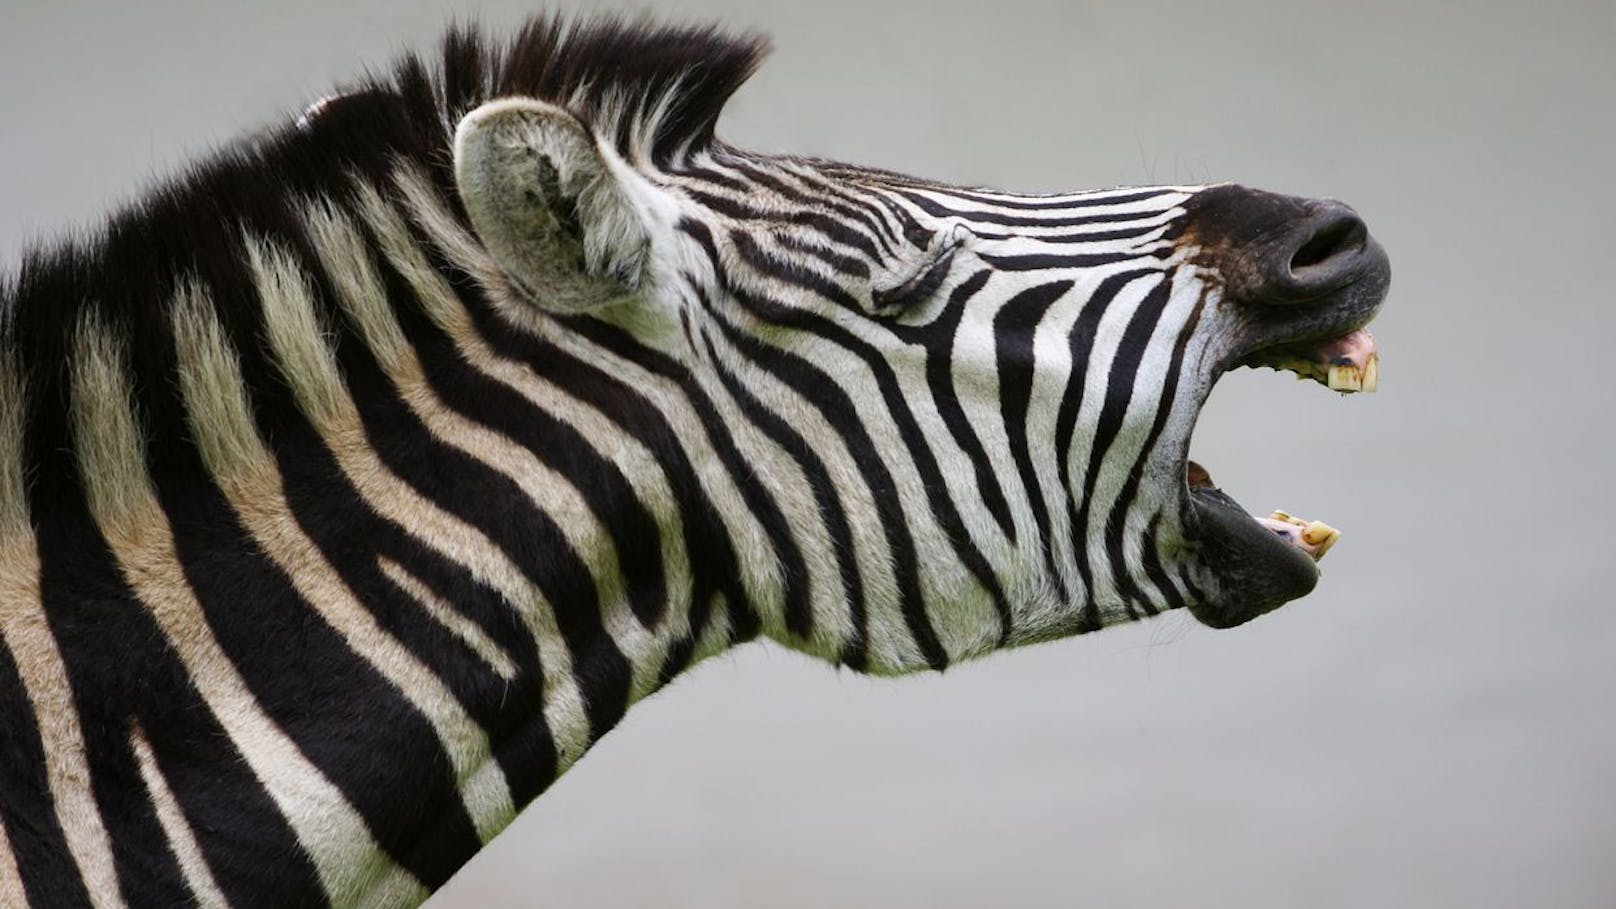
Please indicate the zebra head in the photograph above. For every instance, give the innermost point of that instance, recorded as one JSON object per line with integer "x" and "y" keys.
{"x": 974, "y": 406}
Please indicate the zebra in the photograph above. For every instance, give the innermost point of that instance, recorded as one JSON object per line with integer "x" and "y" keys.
{"x": 357, "y": 480}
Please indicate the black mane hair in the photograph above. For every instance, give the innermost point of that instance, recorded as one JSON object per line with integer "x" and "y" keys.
{"x": 612, "y": 74}
{"x": 654, "y": 90}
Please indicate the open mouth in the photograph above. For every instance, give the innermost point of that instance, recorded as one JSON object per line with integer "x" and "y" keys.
{"x": 1299, "y": 281}
{"x": 1265, "y": 561}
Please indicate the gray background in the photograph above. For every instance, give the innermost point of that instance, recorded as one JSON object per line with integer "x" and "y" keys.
{"x": 1433, "y": 727}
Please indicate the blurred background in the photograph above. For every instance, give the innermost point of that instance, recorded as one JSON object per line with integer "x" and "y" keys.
{"x": 1435, "y": 726}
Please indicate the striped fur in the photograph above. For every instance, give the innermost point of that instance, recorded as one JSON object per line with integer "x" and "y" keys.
{"x": 324, "y": 548}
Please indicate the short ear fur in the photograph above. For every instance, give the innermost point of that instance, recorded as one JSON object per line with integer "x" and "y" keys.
{"x": 554, "y": 206}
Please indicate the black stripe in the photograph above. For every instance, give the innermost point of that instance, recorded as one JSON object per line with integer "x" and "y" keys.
{"x": 87, "y": 604}
{"x": 845, "y": 265}
{"x": 246, "y": 842}
{"x": 1014, "y": 327}
{"x": 820, "y": 201}
{"x": 790, "y": 272}
{"x": 713, "y": 563}
{"x": 334, "y": 514}
{"x": 1046, "y": 261}
{"x": 938, "y": 338}
{"x": 868, "y": 200}
{"x": 829, "y": 503}
{"x": 1081, "y": 343}
{"x": 822, "y": 392}
{"x": 709, "y": 175}
{"x": 839, "y": 412}
{"x": 819, "y": 388}
{"x": 1118, "y": 393}
{"x": 520, "y": 738}
{"x": 911, "y": 229}
{"x": 497, "y": 506}
{"x": 938, "y": 209}
{"x": 119, "y": 663}
{"x": 561, "y": 447}
{"x": 1094, "y": 236}
{"x": 308, "y": 679}
{"x": 916, "y": 290}
{"x": 830, "y": 228}
{"x": 744, "y": 621}
{"x": 1115, "y": 521}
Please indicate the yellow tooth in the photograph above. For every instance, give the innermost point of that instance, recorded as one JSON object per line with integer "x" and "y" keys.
{"x": 1345, "y": 378}
{"x": 1319, "y": 533}
{"x": 1288, "y": 518}
{"x": 1371, "y": 374}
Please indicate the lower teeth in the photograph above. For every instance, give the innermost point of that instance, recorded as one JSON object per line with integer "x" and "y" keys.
{"x": 1312, "y": 537}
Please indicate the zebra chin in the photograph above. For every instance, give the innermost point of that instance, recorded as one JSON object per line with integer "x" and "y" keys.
{"x": 1256, "y": 570}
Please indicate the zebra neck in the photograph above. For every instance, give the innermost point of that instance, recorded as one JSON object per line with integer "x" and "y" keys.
{"x": 330, "y": 555}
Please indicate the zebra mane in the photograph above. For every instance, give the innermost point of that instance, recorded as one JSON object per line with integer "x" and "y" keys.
{"x": 655, "y": 90}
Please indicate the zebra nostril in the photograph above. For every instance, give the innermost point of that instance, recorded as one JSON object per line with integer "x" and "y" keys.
{"x": 1343, "y": 236}
{"x": 1329, "y": 255}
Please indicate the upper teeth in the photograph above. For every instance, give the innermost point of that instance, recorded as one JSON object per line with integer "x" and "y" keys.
{"x": 1348, "y": 377}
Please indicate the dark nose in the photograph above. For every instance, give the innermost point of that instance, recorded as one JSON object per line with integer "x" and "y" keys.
{"x": 1281, "y": 250}
{"x": 1324, "y": 253}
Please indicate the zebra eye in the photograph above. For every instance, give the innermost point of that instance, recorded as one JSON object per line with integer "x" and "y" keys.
{"x": 919, "y": 288}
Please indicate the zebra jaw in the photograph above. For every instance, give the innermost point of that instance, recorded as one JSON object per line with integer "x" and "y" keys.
{"x": 1260, "y": 564}
{"x": 1264, "y": 562}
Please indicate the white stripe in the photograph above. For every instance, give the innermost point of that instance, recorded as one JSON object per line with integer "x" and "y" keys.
{"x": 25, "y": 631}
{"x": 332, "y": 833}
{"x": 181, "y": 839}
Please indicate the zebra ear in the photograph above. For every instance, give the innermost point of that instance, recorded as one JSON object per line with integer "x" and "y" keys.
{"x": 557, "y": 208}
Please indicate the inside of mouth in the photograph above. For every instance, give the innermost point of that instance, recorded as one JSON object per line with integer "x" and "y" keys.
{"x": 1347, "y": 363}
